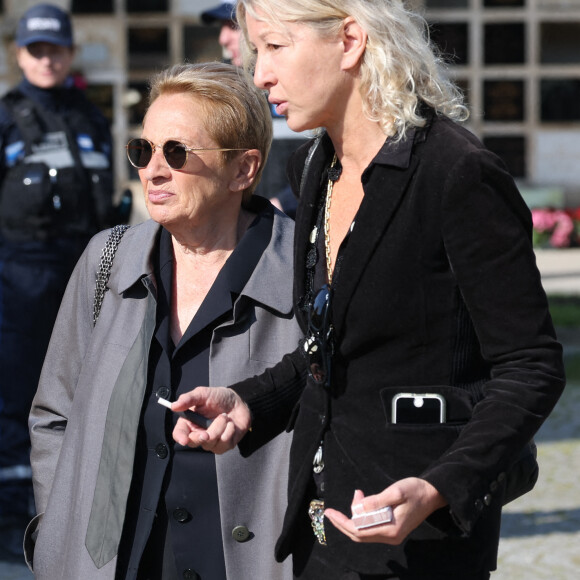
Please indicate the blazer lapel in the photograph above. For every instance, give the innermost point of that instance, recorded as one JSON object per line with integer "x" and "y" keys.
{"x": 376, "y": 212}
{"x": 375, "y": 215}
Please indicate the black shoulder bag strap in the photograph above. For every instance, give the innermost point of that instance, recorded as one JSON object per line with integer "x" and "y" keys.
{"x": 105, "y": 265}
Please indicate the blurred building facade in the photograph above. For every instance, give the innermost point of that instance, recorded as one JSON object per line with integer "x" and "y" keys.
{"x": 518, "y": 62}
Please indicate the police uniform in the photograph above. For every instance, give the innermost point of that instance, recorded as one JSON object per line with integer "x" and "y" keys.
{"x": 55, "y": 193}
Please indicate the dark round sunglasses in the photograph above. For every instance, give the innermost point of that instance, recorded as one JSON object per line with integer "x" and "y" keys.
{"x": 140, "y": 151}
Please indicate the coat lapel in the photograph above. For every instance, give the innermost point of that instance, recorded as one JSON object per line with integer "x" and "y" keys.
{"x": 388, "y": 179}
{"x": 376, "y": 213}
{"x": 118, "y": 452}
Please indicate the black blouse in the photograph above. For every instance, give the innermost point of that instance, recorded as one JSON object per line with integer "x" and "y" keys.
{"x": 172, "y": 529}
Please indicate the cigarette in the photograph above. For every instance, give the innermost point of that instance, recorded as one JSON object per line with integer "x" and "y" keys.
{"x": 192, "y": 416}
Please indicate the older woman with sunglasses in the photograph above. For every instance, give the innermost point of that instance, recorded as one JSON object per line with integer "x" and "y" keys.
{"x": 198, "y": 293}
{"x": 430, "y": 357}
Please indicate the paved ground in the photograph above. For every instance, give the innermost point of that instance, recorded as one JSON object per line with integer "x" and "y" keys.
{"x": 560, "y": 270}
{"x": 540, "y": 531}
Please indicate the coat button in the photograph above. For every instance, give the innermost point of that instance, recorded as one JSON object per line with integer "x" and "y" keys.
{"x": 501, "y": 477}
{"x": 191, "y": 575}
{"x": 161, "y": 451}
{"x": 240, "y": 533}
{"x": 478, "y": 505}
{"x": 487, "y": 499}
{"x": 181, "y": 515}
{"x": 163, "y": 392}
{"x": 493, "y": 486}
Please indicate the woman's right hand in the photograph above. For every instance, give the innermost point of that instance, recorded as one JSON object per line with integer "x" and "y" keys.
{"x": 231, "y": 419}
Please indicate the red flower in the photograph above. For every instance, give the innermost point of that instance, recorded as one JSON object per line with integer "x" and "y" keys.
{"x": 558, "y": 223}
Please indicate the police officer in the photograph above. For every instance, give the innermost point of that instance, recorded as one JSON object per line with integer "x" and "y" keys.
{"x": 55, "y": 192}
{"x": 224, "y": 14}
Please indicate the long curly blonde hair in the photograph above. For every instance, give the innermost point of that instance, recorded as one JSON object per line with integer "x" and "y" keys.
{"x": 400, "y": 68}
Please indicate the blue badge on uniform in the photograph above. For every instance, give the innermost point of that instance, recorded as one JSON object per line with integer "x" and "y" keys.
{"x": 85, "y": 142}
{"x": 14, "y": 153}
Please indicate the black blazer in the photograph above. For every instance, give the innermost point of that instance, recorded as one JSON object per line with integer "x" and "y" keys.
{"x": 438, "y": 292}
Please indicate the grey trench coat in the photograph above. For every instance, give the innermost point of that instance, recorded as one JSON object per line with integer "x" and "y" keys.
{"x": 84, "y": 418}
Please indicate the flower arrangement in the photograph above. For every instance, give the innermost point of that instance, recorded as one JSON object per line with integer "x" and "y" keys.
{"x": 556, "y": 228}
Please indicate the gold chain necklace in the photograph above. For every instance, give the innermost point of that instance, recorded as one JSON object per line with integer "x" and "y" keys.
{"x": 329, "y": 188}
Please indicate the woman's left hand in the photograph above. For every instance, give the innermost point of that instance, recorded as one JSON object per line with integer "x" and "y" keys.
{"x": 231, "y": 419}
{"x": 412, "y": 501}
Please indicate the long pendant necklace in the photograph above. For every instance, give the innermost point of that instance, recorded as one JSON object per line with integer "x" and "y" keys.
{"x": 333, "y": 175}
{"x": 316, "y": 508}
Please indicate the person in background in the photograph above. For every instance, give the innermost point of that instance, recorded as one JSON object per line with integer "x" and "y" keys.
{"x": 199, "y": 292}
{"x": 56, "y": 188}
{"x": 230, "y": 33}
{"x": 230, "y": 37}
{"x": 430, "y": 358}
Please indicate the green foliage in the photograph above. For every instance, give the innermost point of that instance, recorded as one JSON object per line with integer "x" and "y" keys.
{"x": 565, "y": 311}
{"x": 572, "y": 364}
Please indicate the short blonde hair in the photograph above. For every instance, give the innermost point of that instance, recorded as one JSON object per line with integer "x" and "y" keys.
{"x": 400, "y": 68}
{"x": 237, "y": 114}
